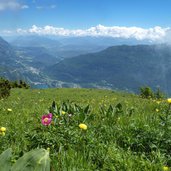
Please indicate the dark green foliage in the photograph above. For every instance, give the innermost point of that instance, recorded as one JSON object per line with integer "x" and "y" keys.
{"x": 5, "y": 160}
{"x": 34, "y": 160}
{"x": 4, "y": 88}
{"x": 6, "y": 85}
{"x": 147, "y": 92}
{"x": 159, "y": 94}
{"x": 20, "y": 84}
{"x": 74, "y": 114}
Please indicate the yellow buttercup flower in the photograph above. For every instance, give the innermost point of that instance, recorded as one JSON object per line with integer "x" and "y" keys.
{"x": 83, "y": 126}
{"x": 157, "y": 110}
{"x": 2, "y": 129}
{"x": 169, "y": 100}
{"x": 63, "y": 112}
{"x": 9, "y": 110}
{"x": 158, "y": 102}
{"x": 165, "y": 168}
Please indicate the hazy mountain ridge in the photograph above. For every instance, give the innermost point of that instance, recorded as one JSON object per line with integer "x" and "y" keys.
{"x": 59, "y": 47}
{"x": 9, "y": 66}
{"x": 6, "y": 51}
{"x": 26, "y": 64}
{"x": 64, "y": 47}
{"x": 123, "y": 67}
{"x": 36, "y": 56}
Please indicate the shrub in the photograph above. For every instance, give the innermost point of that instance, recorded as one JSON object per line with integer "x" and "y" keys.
{"x": 146, "y": 92}
{"x": 20, "y": 84}
{"x": 4, "y": 88}
{"x": 159, "y": 94}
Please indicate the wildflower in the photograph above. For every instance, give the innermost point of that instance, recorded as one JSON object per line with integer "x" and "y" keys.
{"x": 158, "y": 102}
{"x": 169, "y": 100}
{"x": 70, "y": 115}
{"x": 157, "y": 110}
{"x": 165, "y": 168}
{"x": 2, "y": 129}
{"x": 46, "y": 119}
{"x": 83, "y": 126}
{"x": 63, "y": 112}
{"x": 9, "y": 110}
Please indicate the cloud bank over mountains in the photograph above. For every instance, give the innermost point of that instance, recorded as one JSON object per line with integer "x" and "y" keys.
{"x": 152, "y": 34}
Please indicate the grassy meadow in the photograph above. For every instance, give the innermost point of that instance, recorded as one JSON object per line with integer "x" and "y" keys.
{"x": 124, "y": 132}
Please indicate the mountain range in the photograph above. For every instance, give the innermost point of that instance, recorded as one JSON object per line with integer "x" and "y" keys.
{"x": 93, "y": 62}
{"x": 24, "y": 63}
{"x": 118, "y": 67}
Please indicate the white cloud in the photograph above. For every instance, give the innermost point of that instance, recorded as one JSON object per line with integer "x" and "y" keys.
{"x": 21, "y": 31}
{"x": 6, "y": 32}
{"x": 25, "y": 7}
{"x": 46, "y": 7}
{"x": 11, "y": 5}
{"x": 153, "y": 34}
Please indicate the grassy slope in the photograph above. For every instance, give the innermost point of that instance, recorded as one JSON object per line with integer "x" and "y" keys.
{"x": 116, "y": 141}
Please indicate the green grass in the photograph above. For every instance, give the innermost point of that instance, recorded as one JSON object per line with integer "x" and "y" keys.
{"x": 125, "y": 132}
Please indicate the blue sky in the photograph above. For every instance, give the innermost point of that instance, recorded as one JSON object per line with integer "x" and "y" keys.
{"x": 84, "y": 14}
{"x": 74, "y": 14}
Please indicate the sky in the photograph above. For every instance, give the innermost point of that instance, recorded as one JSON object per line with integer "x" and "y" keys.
{"x": 140, "y": 19}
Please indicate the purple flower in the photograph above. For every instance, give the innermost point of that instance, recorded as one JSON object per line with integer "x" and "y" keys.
{"x": 47, "y": 119}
